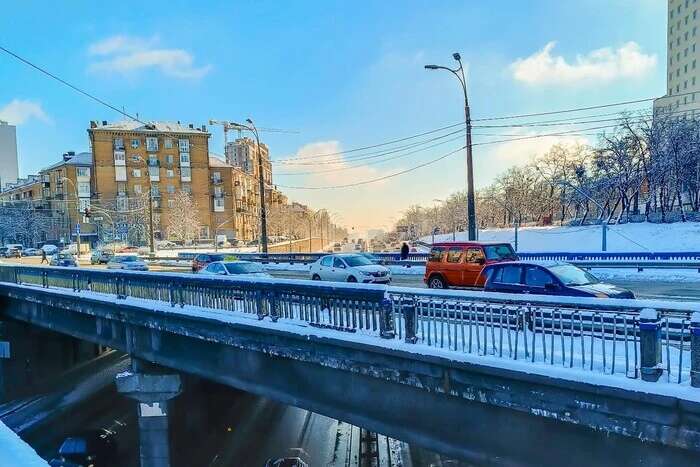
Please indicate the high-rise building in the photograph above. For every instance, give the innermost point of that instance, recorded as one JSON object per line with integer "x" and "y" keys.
{"x": 683, "y": 60}
{"x": 242, "y": 153}
{"x": 9, "y": 171}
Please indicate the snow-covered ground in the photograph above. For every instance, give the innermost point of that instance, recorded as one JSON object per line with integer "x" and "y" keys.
{"x": 15, "y": 452}
{"x": 680, "y": 236}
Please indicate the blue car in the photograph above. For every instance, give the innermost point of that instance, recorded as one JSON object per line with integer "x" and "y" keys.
{"x": 548, "y": 278}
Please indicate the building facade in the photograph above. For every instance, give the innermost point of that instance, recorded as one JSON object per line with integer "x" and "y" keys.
{"x": 683, "y": 60}
{"x": 9, "y": 170}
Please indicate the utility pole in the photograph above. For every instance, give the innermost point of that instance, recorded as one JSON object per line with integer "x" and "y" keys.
{"x": 471, "y": 205}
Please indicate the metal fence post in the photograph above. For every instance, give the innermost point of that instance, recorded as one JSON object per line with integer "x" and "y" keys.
{"x": 695, "y": 350}
{"x": 408, "y": 308}
{"x": 274, "y": 311}
{"x": 386, "y": 320}
{"x": 259, "y": 304}
{"x": 650, "y": 344}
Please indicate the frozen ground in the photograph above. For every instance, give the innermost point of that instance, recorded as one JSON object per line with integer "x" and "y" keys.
{"x": 15, "y": 452}
{"x": 680, "y": 236}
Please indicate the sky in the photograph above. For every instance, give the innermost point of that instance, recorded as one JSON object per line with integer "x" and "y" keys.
{"x": 336, "y": 76}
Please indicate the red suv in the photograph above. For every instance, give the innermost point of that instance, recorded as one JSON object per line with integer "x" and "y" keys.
{"x": 459, "y": 264}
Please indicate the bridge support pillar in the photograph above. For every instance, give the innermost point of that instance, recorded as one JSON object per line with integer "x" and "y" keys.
{"x": 650, "y": 344}
{"x": 695, "y": 350}
{"x": 152, "y": 389}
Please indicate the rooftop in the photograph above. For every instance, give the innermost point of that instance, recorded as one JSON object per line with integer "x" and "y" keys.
{"x": 81, "y": 158}
{"x": 216, "y": 161}
{"x": 154, "y": 127}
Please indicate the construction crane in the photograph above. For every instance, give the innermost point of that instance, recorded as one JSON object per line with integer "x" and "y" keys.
{"x": 240, "y": 129}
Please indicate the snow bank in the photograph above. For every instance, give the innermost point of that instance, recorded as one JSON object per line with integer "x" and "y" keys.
{"x": 647, "y": 275}
{"x": 681, "y": 236}
{"x": 15, "y": 452}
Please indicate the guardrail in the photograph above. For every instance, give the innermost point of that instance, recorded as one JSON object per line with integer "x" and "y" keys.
{"x": 633, "y": 338}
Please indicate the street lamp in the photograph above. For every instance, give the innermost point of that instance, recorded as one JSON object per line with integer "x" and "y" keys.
{"x": 261, "y": 182}
{"x": 77, "y": 209}
{"x": 459, "y": 73}
{"x": 151, "y": 240}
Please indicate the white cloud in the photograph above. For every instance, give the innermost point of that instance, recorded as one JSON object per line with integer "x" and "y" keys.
{"x": 126, "y": 54}
{"x": 601, "y": 65}
{"x": 18, "y": 111}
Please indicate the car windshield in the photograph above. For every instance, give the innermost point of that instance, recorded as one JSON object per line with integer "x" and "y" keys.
{"x": 357, "y": 260}
{"x": 213, "y": 258}
{"x": 129, "y": 259}
{"x": 569, "y": 274}
{"x": 499, "y": 252}
{"x": 243, "y": 268}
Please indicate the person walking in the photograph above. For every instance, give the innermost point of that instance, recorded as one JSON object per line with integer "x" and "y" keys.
{"x": 43, "y": 257}
{"x": 404, "y": 251}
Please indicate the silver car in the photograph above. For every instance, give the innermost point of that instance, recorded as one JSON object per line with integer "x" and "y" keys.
{"x": 234, "y": 268}
{"x": 349, "y": 267}
{"x": 127, "y": 262}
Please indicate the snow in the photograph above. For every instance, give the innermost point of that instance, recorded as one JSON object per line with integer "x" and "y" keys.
{"x": 644, "y": 236}
{"x": 647, "y": 275}
{"x": 14, "y": 452}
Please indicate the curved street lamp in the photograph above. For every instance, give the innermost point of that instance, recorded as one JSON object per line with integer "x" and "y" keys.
{"x": 459, "y": 73}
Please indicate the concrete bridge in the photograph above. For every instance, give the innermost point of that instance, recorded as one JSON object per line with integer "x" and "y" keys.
{"x": 478, "y": 376}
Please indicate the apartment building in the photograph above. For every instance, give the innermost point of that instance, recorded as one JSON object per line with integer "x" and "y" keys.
{"x": 236, "y": 201}
{"x": 8, "y": 154}
{"x": 682, "y": 61}
{"x": 242, "y": 153}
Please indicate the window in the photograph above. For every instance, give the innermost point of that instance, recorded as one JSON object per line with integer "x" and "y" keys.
{"x": 84, "y": 204}
{"x": 185, "y": 173}
{"x": 119, "y": 158}
{"x": 135, "y": 158}
{"x": 218, "y": 204}
{"x": 327, "y": 261}
{"x": 216, "y": 177}
{"x": 537, "y": 277}
{"x": 171, "y": 189}
{"x": 184, "y": 145}
{"x": 511, "y": 275}
{"x": 136, "y": 173}
{"x": 168, "y": 143}
{"x": 171, "y": 203}
{"x": 122, "y": 203}
{"x": 186, "y": 188}
{"x": 121, "y": 188}
{"x": 436, "y": 254}
{"x": 204, "y": 231}
{"x": 454, "y": 254}
{"x": 82, "y": 171}
{"x": 83, "y": 189}
{"x": 153, "y": 160}
{"x": 135, "y": 143}
{"x": 137, "y": 189}
{"x": 169, "y": 159}
{"x": 218, "y": 191}
{"x": 338, "y": 263}
{"x": 170, "y": 173}
{"x": 119, "y": 144}
{"x": 184, "y": 158}
{"x": 155, "y": 189}
{"x": 474, "y": 255}
{"x": 120, "y": 173}
{"x": 151, "y": 143}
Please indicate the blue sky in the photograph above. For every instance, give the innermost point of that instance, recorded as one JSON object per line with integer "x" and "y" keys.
{"x": 341, "y": 74}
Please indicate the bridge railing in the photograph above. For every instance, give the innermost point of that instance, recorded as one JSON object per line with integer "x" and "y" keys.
{"x": 632, "y": 338}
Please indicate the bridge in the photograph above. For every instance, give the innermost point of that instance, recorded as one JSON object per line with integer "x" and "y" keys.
{"x": 480, "y": 376}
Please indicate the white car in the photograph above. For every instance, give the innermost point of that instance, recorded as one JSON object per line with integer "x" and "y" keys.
{"x": 349, "y": 267}
{"x": 127, "y": 262}
{"x": 234, "y": 268}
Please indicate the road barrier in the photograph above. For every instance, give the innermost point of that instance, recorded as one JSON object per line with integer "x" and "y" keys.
{"x": 632, "y": 338}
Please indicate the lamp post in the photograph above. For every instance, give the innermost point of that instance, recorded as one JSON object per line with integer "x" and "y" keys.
{"x": 151, "y": 240}
{"x": 77, "y": 209}
{"x": 459, "y": 73}
{"x": 261, "y": 182}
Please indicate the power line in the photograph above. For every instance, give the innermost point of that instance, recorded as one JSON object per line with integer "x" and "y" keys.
{"x": 66, "y": 83}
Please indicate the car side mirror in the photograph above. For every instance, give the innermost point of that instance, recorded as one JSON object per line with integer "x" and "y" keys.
{"x": 221, "y": 273}
{"x": 341, "y": 266}
{"x": 551, "y": 286}
{"x": 481, "y": 261}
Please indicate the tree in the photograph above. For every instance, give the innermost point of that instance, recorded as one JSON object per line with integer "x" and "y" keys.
{"x": 184, "y": 222}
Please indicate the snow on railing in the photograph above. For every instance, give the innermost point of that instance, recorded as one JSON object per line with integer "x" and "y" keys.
{"x": 615, "y": 337}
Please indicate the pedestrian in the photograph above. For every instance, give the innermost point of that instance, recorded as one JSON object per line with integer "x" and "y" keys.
{"x": 43, "y": 257}
{"x": 404, "y": 251}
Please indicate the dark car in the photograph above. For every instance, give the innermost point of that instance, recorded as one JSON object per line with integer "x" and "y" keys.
{"x": 548, "y": 278}
{"x": 63, "y": 259}
{"x": 93, "y": 447}
{"x": 203, "y": 259}
{"x": 101, "y": 256}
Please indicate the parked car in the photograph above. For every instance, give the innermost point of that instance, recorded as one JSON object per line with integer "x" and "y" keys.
{"x": 127, "y": 262}
{"x": 31, "y": 252}
{"x": 128, "y": 249}
{"x": 101, "y": 256}
{"x": 286, "y": 462}
{"x": 234, "y": 268}
{"x": 459, "y": 264}
{"x": 16, "y": 246}
{"x": 349, "y": 267}
{"x": 89, "y": 448}
{"x": 50, "y": 249}
{"x": 548, "y": 278}
{"x": 166, "y": 245}
{"x": 203, "y": 259}
{"x": 63, "y": 258}
{"x": 13, "y": 252}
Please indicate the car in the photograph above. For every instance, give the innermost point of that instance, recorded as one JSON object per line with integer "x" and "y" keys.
{"x": 459, "y": 264}
{"x": 13, "y": 252}
{"x": 202, "y": 259}
{"x": 127, "y": 262}
{"x": 128, "y": 249}
{"x": 89, "y": 448}
{"x": 101, "y": 256}
{"x": 31, "y": 252}
{"x": 165, "y": 245}
{"x": 234, "y": 268}
{"x": 64, "y": 259}
{"x": 286, "y": 462}
{"x": 548, "y": 278}
{"x": 50, "y": 249}
{"x": 349, "y": 267}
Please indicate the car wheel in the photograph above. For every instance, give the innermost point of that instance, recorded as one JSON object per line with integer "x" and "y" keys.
{"x": 436, "y": 282}
{"x": 315, "y": 277}
{"x": 352, "y": 279}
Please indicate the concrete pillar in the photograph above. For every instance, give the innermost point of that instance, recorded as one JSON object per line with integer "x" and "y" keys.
{"x": 152, "y": 390}
{"x": 650, "y": 344}
{"x": 386, "y": 320}
{"x": 695, "y": 350}
{"x": 408, "y": 307}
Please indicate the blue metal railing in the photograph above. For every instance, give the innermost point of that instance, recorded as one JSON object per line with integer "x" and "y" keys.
{"x": 600, "y": 335}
